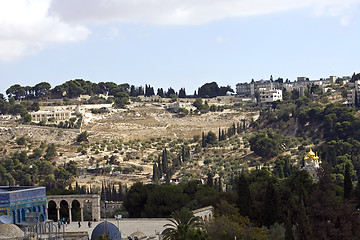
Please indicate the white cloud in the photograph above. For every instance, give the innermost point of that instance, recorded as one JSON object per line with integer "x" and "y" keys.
{"x": 185, "y": 12}
{"x": 26, "y": 28}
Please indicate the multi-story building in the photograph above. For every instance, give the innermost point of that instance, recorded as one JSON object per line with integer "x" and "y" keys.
{"x": 243, "y": 89}
{"x": 57, "y": 115}
{"x": 301, "y": 84}
{"x": 352, "y": 94}
{"x": 249, "y": 89}
{"x": 268, "y": 96}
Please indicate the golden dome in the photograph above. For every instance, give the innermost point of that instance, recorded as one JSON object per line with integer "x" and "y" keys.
{"x": 311, "y": 156}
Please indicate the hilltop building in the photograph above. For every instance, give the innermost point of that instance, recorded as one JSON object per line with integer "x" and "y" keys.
{"x": 249, "y": 89}
{"x": 353, "y": 95}
{"x": 268, "y": 96}
{"x": 300, "y": 84}
{"x": 57, "y": 115}
{"x": 312, "y": 164}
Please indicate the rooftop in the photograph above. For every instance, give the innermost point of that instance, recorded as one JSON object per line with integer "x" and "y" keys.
{"x": 4, "y": 189}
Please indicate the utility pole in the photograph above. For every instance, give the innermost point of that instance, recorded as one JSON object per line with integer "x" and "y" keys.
{"x": 105, "y": 202}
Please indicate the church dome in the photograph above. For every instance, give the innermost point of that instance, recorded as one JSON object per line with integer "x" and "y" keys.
{"x": 111, "y": 230}
{"x": 311, "y": 154}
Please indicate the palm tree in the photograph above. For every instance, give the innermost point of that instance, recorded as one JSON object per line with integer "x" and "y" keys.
{"x": 182, "y": 223}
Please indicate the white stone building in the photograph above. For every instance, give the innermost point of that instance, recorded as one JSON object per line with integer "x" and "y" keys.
{"x": 269, "y": 96}
{"x": 57, "y": 115}
{"x": 312, "y": 164}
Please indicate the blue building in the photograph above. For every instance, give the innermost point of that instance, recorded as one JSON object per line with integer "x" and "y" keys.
{"x": 22, "y": 204}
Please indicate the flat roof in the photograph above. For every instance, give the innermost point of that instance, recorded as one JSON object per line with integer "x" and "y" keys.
{"x": 4, "y": 189}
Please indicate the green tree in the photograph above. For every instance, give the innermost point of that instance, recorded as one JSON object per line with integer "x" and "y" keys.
{"x": 182, "y": 225}
{"x": 159, "y": 206}
{"x": 347, "y": 182}
{"x": 21, "y": 141}
{"x": 50, "y": 151}
{"x": 266, "y": 145}
{"x": 229, "y": 224}
{"x": 27, "y": 118}
{"x": 82, "y": 137}
{"x": 211, "y": 138}
{"x": 244, "y": 195}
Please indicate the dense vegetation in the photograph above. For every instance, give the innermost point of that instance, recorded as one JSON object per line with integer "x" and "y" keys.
{"x": 21, "y": 168}
{"x": 273, "y": 200}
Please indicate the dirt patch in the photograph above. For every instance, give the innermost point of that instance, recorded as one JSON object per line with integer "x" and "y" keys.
{"x": 149, "y": 120}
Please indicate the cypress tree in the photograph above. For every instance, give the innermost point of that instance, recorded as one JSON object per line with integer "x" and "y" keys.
{"x": 165, "y": 167}
{"x": 243, "y": 191}
{"x": 102, "y": 191}
{"x": 223, "y": 135}
{"x": 203, "y": 141}
{"x": 348, "y": 187}
{"x": 183, "y": 153}
{"x": 210, "y": 180}
{"x": 114, "y": 194}
{"x": 120, "y": 194}
{"x": 220, "y": 185}
{"x": 270, "y": 213}
{"x": 156, "y": 174}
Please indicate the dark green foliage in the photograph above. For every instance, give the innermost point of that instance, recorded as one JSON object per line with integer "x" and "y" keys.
{"x": 27, "y": 118}
{"x": 229, "y": 224}
{"x": 136, "y": 198}
{"x": 156, "y": 174}
{"x": 244, "y": 195}
{"x": 283, "y": 167}
{"x": 149, "y": 91}
{"x": 212, "y": 89}
{"x": 149, "y": 201}
{"x": 82, "y": 137}
{"x": 211, "y": 138}
{"x": 347, "y": 182}
{"x": 184, "y": 225}
{"x": 198, "y": 103}
{"x": 21, "y": 141}
{"x": 203, "y": 140}
{"x": 270, "y": 212}
{"x": 50, "y": 151}
{"x": 164, "y": 199}
{"x": 182, "y": 93}
{"x": 20, "y": 169}
{"x": 266, "y": 145}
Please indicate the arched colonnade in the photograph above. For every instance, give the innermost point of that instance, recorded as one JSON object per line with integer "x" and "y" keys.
{"x": 81, "y": 198}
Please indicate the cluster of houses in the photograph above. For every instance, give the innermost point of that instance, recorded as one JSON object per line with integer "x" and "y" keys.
{"x": 265, "y": 92}
{"x": 269, "y": 91}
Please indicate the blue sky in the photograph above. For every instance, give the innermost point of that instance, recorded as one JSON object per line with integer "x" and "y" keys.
{"x": 176, "y": 43}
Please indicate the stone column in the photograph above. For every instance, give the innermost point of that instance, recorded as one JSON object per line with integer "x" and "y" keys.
{"x": 70, "y": 217}
{"x": 58, "y": 212}
{"x": 82, "y": 213}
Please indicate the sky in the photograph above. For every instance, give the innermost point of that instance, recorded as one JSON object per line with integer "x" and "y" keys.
{"x": 176, "y": 43}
